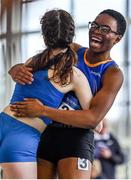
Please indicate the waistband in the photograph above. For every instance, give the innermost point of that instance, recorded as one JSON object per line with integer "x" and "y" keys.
{"x": 60, "y": 125}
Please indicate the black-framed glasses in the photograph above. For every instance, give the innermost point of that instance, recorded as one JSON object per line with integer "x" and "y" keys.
{"x": 104, "y": 29}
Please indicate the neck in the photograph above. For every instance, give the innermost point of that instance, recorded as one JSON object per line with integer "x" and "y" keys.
{"x": 95, "y": 57}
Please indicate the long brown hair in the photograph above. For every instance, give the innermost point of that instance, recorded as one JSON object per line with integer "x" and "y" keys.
{"x": 58, "y": 32}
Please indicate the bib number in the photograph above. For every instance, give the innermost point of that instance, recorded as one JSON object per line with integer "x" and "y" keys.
{"x": 82, "y": 164}
{"x": 65, "y": 106}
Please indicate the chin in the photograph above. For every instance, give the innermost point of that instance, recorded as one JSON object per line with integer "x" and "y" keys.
{"x": 95, "y": 50}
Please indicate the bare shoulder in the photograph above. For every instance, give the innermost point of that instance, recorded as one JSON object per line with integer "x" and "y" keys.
{"x": 114, "y": 72}
{"x": 113, "y": 78}
{"x": 78, "y": 75}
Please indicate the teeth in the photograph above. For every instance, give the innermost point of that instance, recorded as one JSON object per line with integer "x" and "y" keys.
{"x": 95, "y": 39}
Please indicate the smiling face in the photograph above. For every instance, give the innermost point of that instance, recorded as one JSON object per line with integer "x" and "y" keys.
{"x": 100, "y": 41}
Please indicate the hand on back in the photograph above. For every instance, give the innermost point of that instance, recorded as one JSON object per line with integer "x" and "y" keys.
{"x": 21, "y": 74}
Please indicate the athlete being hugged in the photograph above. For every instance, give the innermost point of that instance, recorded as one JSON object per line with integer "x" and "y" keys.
{"x": 63, "y": 147}
{"x": 55, "y": 76}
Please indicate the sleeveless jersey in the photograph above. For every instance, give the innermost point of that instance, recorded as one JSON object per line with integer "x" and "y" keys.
{"x": 41, "y": 89}
{"x": 94, "y": 74}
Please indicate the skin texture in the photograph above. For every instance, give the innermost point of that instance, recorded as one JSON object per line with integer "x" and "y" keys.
{"x": 100, "y": 103}
{"x": 15, "y": 170}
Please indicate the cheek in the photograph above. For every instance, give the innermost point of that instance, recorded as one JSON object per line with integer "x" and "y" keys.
{"x": 108, "y": 44}
{"x": 111, "y": 39}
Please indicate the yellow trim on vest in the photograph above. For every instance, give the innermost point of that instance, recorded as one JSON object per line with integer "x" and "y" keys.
{"x": 96, "y": 64}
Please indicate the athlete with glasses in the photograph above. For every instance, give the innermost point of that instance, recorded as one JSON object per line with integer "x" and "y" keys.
{"x": 62, "y": 147}
{"x": 104, "y": 29}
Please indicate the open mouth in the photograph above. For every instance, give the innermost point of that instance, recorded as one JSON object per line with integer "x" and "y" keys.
{"x": 95, "y": 41}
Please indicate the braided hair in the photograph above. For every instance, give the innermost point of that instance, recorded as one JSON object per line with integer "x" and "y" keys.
{"x": 58, "y": 32}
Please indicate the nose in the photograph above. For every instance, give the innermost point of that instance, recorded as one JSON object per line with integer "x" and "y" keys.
{"x": 98, "y": 29}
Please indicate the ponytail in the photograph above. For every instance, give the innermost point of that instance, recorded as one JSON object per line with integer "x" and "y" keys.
{"x": 62, "y": 64}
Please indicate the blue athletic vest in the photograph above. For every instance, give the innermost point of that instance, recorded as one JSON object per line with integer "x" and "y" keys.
{"x": 94, "y": 74}
{"x": 41, "y": 89}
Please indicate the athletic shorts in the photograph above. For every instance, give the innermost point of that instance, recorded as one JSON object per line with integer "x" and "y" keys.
{"x": 64, "y": 142}
{"x": 18, "y": 141}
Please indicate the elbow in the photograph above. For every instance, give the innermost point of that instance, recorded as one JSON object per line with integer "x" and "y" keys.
{"x": 91, "y": 123}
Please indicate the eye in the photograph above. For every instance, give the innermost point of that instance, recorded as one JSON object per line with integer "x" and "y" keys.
{"x": 105, "y": 29}
{"x": 93, "y": 25}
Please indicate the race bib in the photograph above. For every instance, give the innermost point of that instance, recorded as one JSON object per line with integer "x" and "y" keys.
{"x": 65, "y": 106}
{"x": 82, "y": 164}
{"x": 70, "y": 102}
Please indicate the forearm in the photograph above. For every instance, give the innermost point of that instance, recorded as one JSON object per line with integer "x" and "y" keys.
{"x": 78, "y": 118}
{"x": 89, "y": 118}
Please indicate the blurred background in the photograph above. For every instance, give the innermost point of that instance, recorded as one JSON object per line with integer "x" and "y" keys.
{"x": 20, "y": 38}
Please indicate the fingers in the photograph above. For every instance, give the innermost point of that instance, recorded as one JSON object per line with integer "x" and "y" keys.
{"x": 18, "y": 108}
{"x": 20, "y": 114}
{"x": 17, "y": 104}
{"x": 33, "y": 101}
{"x": 19, "y": 81}
{"x": 23, "y": 76}
{"x": 24, "y": 68}
{"x": 22, "y": 104}
{"x": 23, "y": 80}
{"x": 29, "y": 69}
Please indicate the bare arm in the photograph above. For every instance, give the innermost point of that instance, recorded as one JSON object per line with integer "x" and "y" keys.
{"x": 89, "y": 118}
{"x": 100, "y": 104}
{"x": 83, "y": 92}
{"x": 81, "y": 88}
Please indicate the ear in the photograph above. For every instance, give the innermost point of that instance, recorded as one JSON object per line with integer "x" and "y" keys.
{"x": 119, "y": 37}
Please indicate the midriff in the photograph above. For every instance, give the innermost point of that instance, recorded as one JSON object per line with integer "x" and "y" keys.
{"x": 37, "y": 123}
